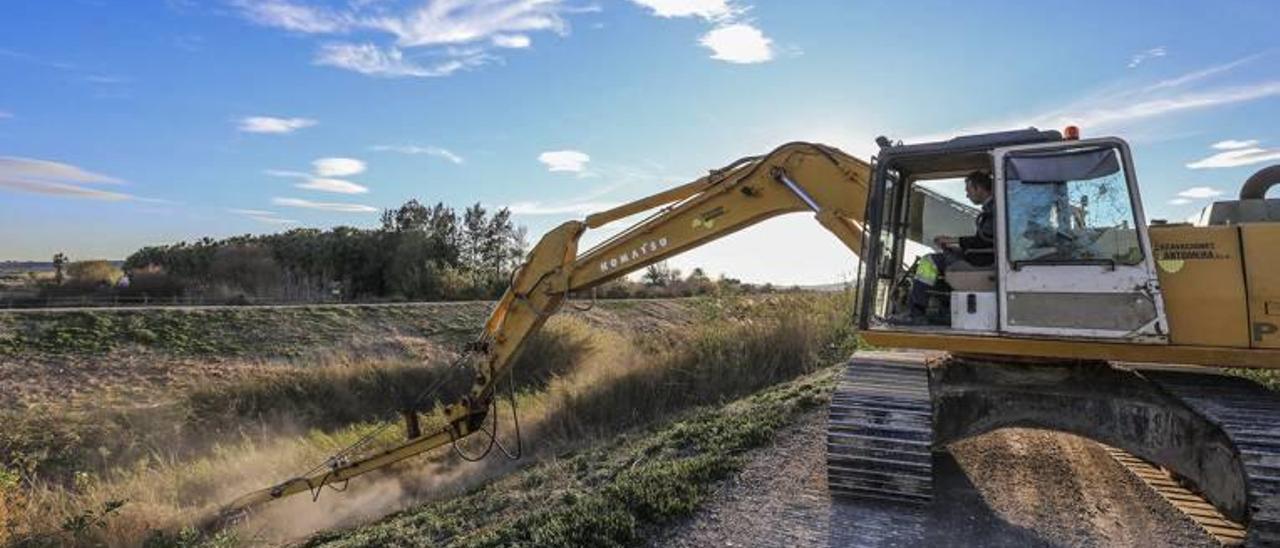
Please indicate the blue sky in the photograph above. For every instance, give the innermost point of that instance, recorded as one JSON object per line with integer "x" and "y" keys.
{"x": 127, "y": 123}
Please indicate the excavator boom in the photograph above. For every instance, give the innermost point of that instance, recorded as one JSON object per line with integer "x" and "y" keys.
{"x": 794, "y": 177}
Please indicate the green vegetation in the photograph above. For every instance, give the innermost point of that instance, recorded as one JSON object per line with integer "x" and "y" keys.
{"x": 578, "y": 384}
{"x": 609, "y": 494}
{"x": 419, "y": 252}
{"x": 224, "y": 331}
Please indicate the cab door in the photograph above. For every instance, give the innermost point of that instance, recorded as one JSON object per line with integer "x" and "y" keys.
{"x": 1072, "y": 247}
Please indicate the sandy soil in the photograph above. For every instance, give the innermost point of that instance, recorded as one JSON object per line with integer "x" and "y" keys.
{"x": 1008, "y": 488}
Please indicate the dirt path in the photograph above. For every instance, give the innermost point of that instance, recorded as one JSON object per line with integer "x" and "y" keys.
{"x": 1008, "y": 488}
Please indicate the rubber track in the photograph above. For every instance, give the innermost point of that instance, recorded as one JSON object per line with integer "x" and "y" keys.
{"x": 880, "y": 430}
{"x": 1247, "y": 413}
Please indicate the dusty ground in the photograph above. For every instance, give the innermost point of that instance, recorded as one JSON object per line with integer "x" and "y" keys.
{"x": 1008, "y": 488}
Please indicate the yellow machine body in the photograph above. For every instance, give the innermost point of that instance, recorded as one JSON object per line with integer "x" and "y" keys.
{"x": 1221, "y": 284}
{"x": 1261, "y": 243}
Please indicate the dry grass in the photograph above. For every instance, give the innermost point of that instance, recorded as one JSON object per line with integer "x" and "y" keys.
{"x": 578, "y": 384}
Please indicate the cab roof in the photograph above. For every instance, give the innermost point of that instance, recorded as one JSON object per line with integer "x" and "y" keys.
{"x": 957, "y": 155}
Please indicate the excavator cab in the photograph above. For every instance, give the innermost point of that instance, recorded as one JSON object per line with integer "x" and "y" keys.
{"x": 1072, "y": 254}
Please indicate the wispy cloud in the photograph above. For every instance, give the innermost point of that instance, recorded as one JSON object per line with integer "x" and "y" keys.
{"x": 512, "y": 41}
{"x": 336, "y": 186}
{"x": 5, "y": 114}
{"x": 1231, "y": 144}
{"x": 707, "y": 9}
{"x": 1200, "y": 193}
{"x": 295, "y": 17}
{"x": 1235, "y": 154}
{"x": 1142, "y": 57}
{"x": 324, "y": 206}
{"x": 565, "y": 208}
{"x": 36, "y": 176}
{"x": 433, "y": 28}
{"x": 438, "y": 152}
{"x": 1121, "y": 109}
{"x": 286, "y": 173}
{"x": 1202, "y": 74}
{"x": 338, "y": 167}
{"x": 259, "y": 212}
{"x": 1110, "y": 114}
{"x": 60, "y": 189}
{"x": 273, "y": 125}
{"x": 324, "y": 176}
{"x": 52, "y": 171}
{"x": 262, "y": 216}
{"x": 387, "y": 62}
{"x": 565, "y": 160}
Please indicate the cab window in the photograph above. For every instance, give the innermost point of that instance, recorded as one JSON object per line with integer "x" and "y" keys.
{"x": 1070, "y": 207}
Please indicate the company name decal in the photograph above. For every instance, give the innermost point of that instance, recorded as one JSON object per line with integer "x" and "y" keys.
{"x": 644, "y": 250}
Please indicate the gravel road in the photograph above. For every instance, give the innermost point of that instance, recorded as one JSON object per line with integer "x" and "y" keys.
{"x": 1012, "y": 487}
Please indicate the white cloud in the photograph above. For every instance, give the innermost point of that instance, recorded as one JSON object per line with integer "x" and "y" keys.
{"x": 293, "y": 17}
{"x": 337, "y": 186}
{"x": 258, "y": 212}
{"x": 732, "y": 40}
{"x": 416, "y": 150}
{"x": 324, "y": 176}
{"x": 324, "y": 206}
{"x": 1111, "y": 114}
{"x": 458, "y": 22}
{"x": 571, "y": 208}
{"x": 374, "y": 61}
{"x": 435, "y": 26}
{"x": 60, "y": 189}
{"x": 36, "y": 176}
{"x": 1180, "y": 201}
{"x": 1237, "y": 157}
{"x": 1195, "y": 76}
{"x": 707, "y": 9}
{"x": 1200, "y": 193}
{"x": 268, "y": 217}
{"x": 1142, "y": 57}
{"x": 5, "y": 114}
{"x": 1119, "y": 110}
{"x": 271, "y": 124}
{"x": 738, "y": 43}
{"x": 565, "y": 160}
{"x": 338, "y": 167}
{"x": 512, "y": 41}
{"x": 273, "y": 220}
{"x": 286, "y": 173}
{"x": 1231, "y": 144}
{"x": 34, "y": 168}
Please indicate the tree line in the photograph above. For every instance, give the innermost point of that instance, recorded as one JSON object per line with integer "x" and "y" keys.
{"x": 419, "y": 252}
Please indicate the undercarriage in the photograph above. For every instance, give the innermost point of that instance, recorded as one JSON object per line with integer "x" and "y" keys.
{"x": 1215, "y": 434}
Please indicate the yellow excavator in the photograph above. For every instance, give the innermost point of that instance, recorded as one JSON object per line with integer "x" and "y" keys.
{"x": 1071, "y": 327}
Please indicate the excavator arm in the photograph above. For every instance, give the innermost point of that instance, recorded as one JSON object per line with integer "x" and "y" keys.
{"x": 793, "y": 178}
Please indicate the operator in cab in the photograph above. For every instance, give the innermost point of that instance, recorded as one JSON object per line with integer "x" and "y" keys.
{"x": 977, "y": 250}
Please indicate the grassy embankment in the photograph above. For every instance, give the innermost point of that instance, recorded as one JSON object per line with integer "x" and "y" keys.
{"x": 92, "y": 390}
{"x": 586, "y": 378}
{"x": 611, "y": 494}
